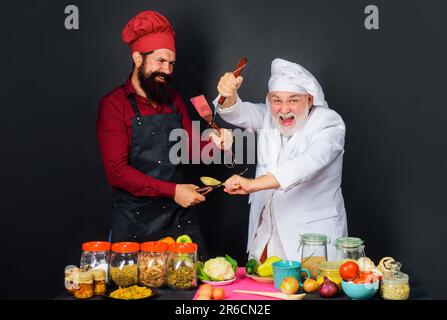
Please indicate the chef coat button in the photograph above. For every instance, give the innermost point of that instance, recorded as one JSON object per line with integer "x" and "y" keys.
{"x": 159, "y": 161}
{"x": 164, "y": 207}
{"x": 179, "y": 226}
{"x": 138, "y": 212}
{"x": 153, "y": 133}
{"x": 189, "y": 221}
{"x": 134, "y": 237}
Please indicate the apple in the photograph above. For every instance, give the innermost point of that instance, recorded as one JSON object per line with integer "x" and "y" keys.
{"x": 184, "y": 239}
{"x": 289, "y": 285}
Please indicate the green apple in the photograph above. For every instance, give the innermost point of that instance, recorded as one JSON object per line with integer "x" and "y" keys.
{"x": 184, "y": 239}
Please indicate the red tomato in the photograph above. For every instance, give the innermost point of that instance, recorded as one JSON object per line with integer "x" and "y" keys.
{"x": 349, "y": 271}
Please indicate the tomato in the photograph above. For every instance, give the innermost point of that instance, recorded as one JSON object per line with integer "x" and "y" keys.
{"x": 349, "y": 271}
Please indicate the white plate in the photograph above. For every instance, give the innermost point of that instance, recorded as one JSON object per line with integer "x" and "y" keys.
{"x": 219, "y": 283}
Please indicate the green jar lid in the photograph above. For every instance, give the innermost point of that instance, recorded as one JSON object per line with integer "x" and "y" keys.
{"x": 348, "y": 242}
{"x": 314, "y": 238}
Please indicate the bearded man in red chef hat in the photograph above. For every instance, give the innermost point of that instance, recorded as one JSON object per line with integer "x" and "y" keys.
{"x": 133, "y": 126}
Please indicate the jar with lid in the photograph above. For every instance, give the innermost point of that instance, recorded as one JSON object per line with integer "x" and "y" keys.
{"x": 349, "y": 248}
{"x": 331, "y": 270}
{"x": 313, "y": 251}
{"x": 124, "y": 263}
{"x": 182, "y": 263}
{"x": 83, "y": 285}
{"x": 395, "y": 284}
{"x": 99, "y": 281}
{"x": 152, "y": 264}
{"x": 96, "y": 255}
{"x": 68, "y": 279}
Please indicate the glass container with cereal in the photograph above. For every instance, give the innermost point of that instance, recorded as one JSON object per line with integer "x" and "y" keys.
{"x": 152, "y": 264}
{"x": 182, "y": 263}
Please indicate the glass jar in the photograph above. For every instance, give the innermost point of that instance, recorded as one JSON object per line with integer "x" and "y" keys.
{"x": 349, "y": 248}
{"x": 331, "y": 270}
{"x": 68, "y": 279}
{"x": 152, "y": 264}
{"x": 83, "y": 285}
{"x": 96, "y": 255}
{"x": 99, "y": 281}
{"x": 182, "y": 263}
{"x": 124, "y": 264}
{"x": 313, "y": 251}
{"x": 395, "y": 284}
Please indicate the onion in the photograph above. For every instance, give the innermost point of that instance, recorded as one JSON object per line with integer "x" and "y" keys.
{"x": 328, "y": 289}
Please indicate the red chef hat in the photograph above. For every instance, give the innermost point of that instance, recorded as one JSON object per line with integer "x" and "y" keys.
{"x": 148, "y": 31}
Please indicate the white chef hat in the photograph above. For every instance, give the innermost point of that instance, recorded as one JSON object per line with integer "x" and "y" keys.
{"x": 291, "y": 77}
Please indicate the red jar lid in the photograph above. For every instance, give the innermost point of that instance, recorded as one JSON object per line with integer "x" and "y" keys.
{"x": 96, "y": 246}
{"x": 154, "y": 246}
{"x": 183, "y": 247}
{"x": 126, "y": 247}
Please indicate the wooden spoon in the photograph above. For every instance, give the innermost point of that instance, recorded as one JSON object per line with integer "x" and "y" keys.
{"x": 278, "y": 295}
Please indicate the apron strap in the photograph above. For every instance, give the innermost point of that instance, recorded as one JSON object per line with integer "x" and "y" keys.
{"x": 133, "y": 102}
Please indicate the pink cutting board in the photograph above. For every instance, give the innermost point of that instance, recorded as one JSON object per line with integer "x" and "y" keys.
{"x": 243, "y": 282}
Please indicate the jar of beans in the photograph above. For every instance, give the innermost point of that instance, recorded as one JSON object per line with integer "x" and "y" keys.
{"x": 124, "y": 264}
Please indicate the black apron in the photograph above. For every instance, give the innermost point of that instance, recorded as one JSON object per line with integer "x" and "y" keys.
{"x": 143, "y": 219}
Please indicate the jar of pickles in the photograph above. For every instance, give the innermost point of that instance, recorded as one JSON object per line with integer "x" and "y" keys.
{"x": 99, "y": 281}
{"x": 182, "y": 262}
{"x": 395, "y": 284}
{"x": 152, "y": 264}
{"x": 96, "y": 255}
{"x": 124, "y": 263}
{"x": 83, "y": 285}
{"x": 331, "y": 270}
{"x": 313, "y": 251}
{"x": 349, "y": 248}
{"x": 68, "y": 278}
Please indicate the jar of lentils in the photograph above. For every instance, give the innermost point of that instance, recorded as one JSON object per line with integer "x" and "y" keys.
{"x": 124, "y": 264}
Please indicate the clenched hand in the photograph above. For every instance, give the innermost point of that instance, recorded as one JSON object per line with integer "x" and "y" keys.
{"x": 186, "y": 195}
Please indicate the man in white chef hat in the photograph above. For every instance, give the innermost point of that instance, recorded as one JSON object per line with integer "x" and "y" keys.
{"x": 297, "y": 188}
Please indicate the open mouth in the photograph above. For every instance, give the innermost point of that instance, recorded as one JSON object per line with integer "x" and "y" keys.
{"x": 160, "y": 79}
{"x": 287, "y": 120}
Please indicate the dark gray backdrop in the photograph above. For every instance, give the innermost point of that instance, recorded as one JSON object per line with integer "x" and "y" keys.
{"x": 388, "y": 85}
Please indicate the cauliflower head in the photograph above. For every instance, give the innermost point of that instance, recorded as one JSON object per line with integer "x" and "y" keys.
{"x": 218, "y": 269}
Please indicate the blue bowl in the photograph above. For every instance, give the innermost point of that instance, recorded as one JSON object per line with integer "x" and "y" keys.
{"x": 360, "y": 291}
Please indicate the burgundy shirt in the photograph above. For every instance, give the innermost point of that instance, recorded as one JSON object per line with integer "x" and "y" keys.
{"x": 113, "y": 129}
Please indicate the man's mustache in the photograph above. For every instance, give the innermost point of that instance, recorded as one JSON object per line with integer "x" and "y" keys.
{"x": 166, "y": 77}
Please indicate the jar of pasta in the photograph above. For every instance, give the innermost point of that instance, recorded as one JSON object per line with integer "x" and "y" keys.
{"x": 313, "y": 251}
{"x": 395, "y": 284}
{"x": 124, "y": 264}
{"x": 83, "y": 285}
{"x": 152, "y": 264}
{"x": 182, "y": 262}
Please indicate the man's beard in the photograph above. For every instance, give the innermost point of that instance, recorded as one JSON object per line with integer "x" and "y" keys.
{"x": 299, "y": 122}
{"x": 156, "y": 91}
